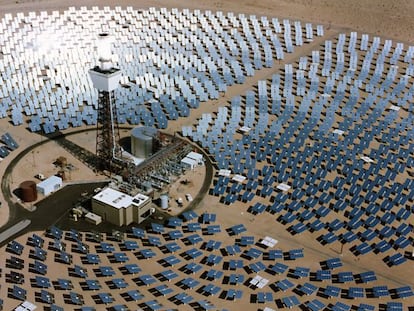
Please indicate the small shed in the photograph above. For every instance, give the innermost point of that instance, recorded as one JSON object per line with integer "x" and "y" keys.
{"x": 49, "y": 185}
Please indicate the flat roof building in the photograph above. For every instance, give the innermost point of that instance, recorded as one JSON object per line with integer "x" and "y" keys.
{"x": 195, "y": 156}
{"x": 120, "y": 208}
{"x": 188, "y": 163}
{"x": 192, "y": 159}
{"x": 49, "y": 185}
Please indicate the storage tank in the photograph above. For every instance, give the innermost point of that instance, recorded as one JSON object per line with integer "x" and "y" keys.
{"x": 28, "y": 191}
{"x": 143, "y": 141}
{"x": 164, "y": 200}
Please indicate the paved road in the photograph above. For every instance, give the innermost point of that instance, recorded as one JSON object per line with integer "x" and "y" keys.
{"x": 14, "y": 230}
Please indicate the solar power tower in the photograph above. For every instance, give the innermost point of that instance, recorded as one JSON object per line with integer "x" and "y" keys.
{"x": 105, "y": 79}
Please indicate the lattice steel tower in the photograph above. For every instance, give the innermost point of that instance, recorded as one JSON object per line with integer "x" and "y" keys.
{"x": 106, "y": 78}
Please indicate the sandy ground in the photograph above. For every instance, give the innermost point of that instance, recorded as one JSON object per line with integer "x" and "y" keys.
{"x": 388, "y": 19}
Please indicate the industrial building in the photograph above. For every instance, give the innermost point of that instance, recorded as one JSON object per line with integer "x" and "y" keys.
{"x": 119, "y": 208}
{"x": 49, "y": 185}
{"x": 192, "y": 159}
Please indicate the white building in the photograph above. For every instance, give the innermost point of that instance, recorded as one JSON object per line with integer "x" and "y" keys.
{"x": 196, "y": 156}
{"x": 119, "y": 208}
{"x": 49, "y": 185}
{"x": 192, "y": 159}
{"x": 188, "y": 163}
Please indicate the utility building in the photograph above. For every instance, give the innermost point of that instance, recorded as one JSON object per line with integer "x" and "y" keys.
{"x": 121, "y": 209}
{"x": 47, "y": 186}
{"x": 192, "y": 160}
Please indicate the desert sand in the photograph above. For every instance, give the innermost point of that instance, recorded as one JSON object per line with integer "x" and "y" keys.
{"x": 387, "y": 19}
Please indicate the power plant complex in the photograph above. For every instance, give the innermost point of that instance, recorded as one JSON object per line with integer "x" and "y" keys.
{"x": 177, "y": 159}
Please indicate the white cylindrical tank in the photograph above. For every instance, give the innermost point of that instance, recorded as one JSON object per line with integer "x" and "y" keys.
{"x": 142, "y": 141}
{"x": 164, "y": 200}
